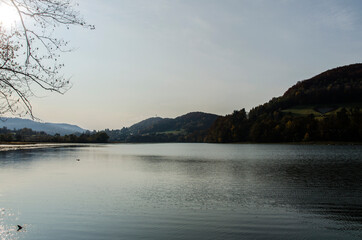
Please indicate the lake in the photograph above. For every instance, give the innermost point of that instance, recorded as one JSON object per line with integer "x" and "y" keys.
{"x": 182, "y": 191}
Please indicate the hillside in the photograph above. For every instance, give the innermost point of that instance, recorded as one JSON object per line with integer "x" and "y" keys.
{"x": 152, "y": 125}
{"x": 339, "y": 86}
{"x": 187, "y": 127}
{"x": 326, "y": 107}
{"x": 144, "y": 125}
{"x": 49, "y": 128}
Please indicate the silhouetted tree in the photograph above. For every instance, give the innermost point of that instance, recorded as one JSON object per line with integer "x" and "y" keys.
{"x": 29, "y": 52}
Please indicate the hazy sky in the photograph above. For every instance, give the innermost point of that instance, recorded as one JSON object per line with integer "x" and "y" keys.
{"x": 169, "y": 57}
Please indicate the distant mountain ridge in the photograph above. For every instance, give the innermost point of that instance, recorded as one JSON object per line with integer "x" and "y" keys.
{"x": 49, "y": 128}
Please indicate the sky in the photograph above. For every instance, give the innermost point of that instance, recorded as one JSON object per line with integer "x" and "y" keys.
{"x": 166, "y": 58}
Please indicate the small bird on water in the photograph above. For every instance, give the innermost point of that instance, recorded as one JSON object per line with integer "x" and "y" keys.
{"x": 78, "y": 159}
{"x": 19, "y": 228}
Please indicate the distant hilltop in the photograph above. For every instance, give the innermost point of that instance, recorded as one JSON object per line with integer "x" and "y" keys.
{"x": 190, "y": 127}
{"x": 49, "y": 128}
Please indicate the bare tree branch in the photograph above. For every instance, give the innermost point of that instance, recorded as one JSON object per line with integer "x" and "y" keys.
{"x": 30, "y": 53}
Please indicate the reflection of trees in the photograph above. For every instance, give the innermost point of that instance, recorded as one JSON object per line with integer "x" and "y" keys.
{"x": 26, "y": 157}
{"x": 319, "y": 180}
{"x": 329, "y": 187}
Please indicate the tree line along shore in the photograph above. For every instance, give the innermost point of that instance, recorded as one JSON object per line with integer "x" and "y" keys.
{"x": 326, "y": 108}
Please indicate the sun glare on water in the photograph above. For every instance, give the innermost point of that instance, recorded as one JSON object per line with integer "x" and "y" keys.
{"x": 8, "y": 15}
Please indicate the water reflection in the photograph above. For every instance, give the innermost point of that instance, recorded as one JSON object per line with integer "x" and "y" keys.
{"x": 329, "y": 186}
{"x": 179, "y": 191}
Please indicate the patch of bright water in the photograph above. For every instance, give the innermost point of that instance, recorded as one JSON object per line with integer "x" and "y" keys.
{"x": 8, "y": 227}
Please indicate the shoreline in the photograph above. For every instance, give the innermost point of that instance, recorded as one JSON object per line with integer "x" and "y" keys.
{"x": 16, "y": 146}
{"x": 5, "y": 147}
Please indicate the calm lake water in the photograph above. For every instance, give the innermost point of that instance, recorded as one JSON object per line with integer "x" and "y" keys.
{"x": 182, "y": 191}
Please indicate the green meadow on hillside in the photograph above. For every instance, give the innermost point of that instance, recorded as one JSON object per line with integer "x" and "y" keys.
{"x": 320, "y": 110}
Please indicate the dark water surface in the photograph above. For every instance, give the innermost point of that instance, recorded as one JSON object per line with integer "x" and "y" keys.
{"x": 182, "y": 191}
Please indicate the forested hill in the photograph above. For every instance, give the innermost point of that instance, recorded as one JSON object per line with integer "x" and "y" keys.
{"x": 336, "y": 86}
{"x": 339, "y": 85}
{"x": 146, "y": 125}
{"x": 190, "y": 127}
{"x": 326, "y": 107}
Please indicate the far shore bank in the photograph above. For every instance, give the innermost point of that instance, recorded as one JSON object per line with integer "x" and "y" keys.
{"x": 13, "y": 146}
